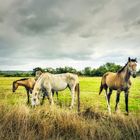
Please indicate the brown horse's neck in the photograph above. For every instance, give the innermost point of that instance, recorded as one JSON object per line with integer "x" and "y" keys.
{"x": 125, "y": 74}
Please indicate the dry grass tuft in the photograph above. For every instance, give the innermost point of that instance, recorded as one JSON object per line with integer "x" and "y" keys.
{"x": 20, "y": 122}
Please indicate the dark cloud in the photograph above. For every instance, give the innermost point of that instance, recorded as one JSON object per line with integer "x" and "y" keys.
{"x": 36, "y": 31}
{"x": 39, "y": 17}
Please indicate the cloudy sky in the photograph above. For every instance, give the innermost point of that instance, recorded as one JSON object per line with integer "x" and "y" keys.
{"x": 77, "y": 33}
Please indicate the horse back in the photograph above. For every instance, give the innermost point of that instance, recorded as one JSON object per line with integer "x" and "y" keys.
{"x": 58, "y": 81}
{"x": 73, "y": 77}
{"x": 111, "y": 80}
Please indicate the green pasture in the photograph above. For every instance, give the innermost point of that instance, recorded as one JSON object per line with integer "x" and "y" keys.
{"x": 89, "y": 87}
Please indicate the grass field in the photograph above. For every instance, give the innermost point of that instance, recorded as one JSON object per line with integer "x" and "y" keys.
{"x": 20, "y": 121}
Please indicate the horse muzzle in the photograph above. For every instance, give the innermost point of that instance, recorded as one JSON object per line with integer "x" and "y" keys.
{"x": 34, "y": 102}
{"x": 134, "y": 75}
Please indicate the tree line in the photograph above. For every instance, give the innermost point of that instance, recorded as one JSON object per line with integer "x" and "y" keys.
{"x": 87, "y": 71}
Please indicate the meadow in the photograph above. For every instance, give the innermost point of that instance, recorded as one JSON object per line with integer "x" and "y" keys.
{"x": 18, "y": 121}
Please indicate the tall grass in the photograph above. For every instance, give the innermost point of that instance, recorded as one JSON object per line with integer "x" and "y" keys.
{"x": 23, "y": 123}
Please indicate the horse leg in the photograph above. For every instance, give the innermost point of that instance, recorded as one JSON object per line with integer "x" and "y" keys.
{"x": 52, "y": 92}
{"x": 117, "y": 100}
{"x": 44, "y": 94}
{"x": 109, "y": 95}
{"x": 73, "y": 97}
{"x": 126, "y": 100}
{"x": 108, "y": 105}
{"x": 50, "y": 97}
{"x": 28, "y": 96}
{"x": 57, "y": 94}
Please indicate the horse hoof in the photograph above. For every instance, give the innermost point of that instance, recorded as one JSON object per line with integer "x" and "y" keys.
{"x": 127, "y": 113}
{"x": 41, "y": 103}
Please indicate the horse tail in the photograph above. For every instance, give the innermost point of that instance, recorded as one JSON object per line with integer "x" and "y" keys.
{"x": 13, "y": 86}
{"x": 103, "y": 83}
{"x": 101, "y": 88}
{"x": 77, "y": 88}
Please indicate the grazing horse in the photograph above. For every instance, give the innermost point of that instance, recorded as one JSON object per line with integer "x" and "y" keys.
{"x": 119, "y": 81}
{"x": 56, "y": 82}
{"x": 37, "y": 75}
{"x": 28, "y": 83}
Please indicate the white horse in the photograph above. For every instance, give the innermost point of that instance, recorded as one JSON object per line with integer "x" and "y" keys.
{"x": 49, "y": 83}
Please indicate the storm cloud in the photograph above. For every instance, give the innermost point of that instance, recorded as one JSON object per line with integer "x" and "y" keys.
{"x": 78, "y": 33}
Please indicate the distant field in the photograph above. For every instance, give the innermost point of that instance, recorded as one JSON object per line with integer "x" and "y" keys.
{"x": 18, "y": 121}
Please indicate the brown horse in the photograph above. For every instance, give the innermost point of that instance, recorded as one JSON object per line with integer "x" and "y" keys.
{"x": 28, "y": 83}
{"x": 119, "y": 81}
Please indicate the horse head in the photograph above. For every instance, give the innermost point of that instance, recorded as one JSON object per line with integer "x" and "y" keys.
{"x": 35, "y": 97}
{"x": 132, "y": 67}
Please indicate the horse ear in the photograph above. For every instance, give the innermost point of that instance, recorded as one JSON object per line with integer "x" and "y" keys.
{"x": 129, "y": 59}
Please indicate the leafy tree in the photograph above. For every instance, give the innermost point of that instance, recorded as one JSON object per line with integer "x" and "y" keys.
{"x": 100, "y": 71}
{"x": 65, "y": 69}
{"x": 50, "y": 70}
{"x": 112, "y": 67}
{"x": 87, "y": 71}
{"x": 70, "y": 69}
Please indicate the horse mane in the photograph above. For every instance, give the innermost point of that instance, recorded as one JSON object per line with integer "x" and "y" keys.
{"x": 119, "y": 71}
{"x": 133, "y": 60}
{"x": 21, "y": 79}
